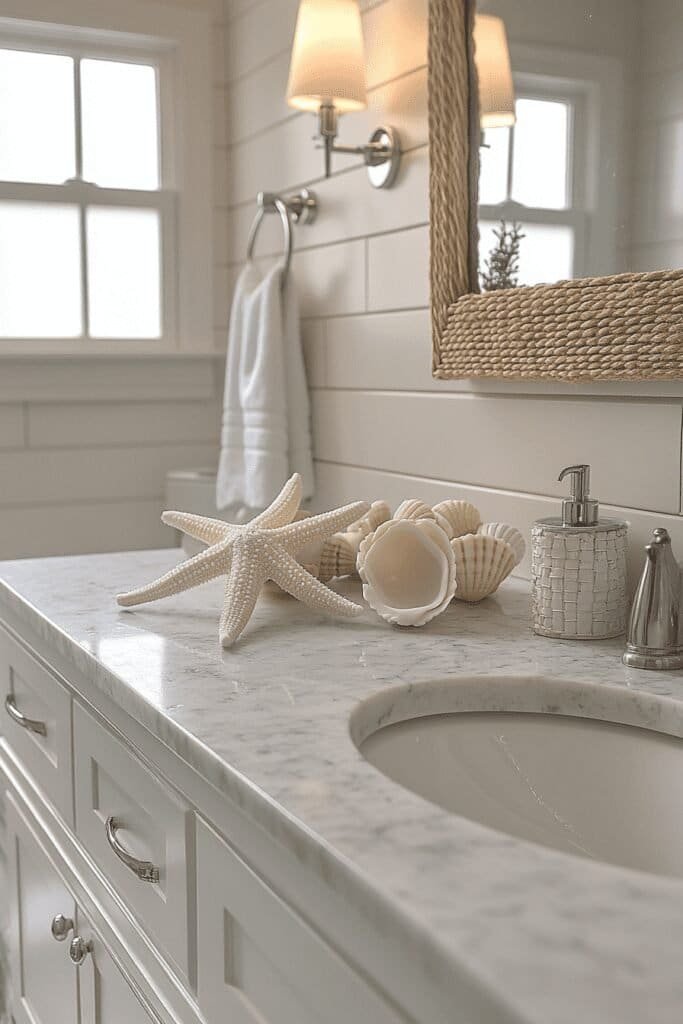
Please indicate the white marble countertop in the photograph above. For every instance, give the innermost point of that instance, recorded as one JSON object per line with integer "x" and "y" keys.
{"x": 554, "y": 939}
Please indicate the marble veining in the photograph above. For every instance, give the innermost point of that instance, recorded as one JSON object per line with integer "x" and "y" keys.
{"x": 550, "y": 937}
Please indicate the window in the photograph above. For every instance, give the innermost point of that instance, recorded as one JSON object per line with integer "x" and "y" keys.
{"x": 105, "y": 192}
{"x": 82, "y": 213}
{"x": 512, "y": 189}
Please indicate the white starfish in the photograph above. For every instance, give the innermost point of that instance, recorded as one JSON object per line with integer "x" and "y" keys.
{"x": 261, "y": 550}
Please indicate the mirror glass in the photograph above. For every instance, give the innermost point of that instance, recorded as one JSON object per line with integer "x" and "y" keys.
{"x": 581, "y": 156}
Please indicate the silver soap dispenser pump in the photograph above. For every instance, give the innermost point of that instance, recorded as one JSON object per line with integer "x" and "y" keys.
{"x": 580, "y": 509}
{"x": 578, "y": 567}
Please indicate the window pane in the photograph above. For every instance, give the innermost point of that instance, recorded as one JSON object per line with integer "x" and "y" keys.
{"x": 539, "y": 163}
{"x": 37, "y": 134}
{"x": 40, "y": 271}
{"x": 546, "y": 253}
{"x": 493, "y": 174}
{"x": 124, "y": 272}
{"x": 120, "y": 130}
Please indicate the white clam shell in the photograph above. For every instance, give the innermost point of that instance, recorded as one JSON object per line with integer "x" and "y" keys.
{"x": 461, "y": 516}
{"x": 408, "y": 571}
{"x": 339, "y": 552}
{"x": 510, "y": 534}
{"x": 482, "y": 563}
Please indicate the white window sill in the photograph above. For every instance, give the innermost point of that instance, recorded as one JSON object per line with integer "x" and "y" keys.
{"x": 110, "y": 349}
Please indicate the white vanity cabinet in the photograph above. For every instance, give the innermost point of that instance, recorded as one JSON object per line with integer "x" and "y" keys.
{"x": 61, "y": 970}
{"x": 42, "y": 978}
{"x": 105, "y": 995}
{"x": 136, "y": 828}
{"x": 36, "y": 722}
{"x": 259, "y": 962}
{"x": 182, "y": 923}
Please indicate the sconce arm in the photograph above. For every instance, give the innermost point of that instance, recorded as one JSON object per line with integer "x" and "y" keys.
{"x": 373, "y": 153}
{"x": 383, "y": 151}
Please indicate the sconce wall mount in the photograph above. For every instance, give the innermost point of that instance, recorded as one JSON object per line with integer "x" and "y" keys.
{"x": 381, "y": 154}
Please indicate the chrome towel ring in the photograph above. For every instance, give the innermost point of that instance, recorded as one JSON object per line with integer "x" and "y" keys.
{"x": 300, "y": 208}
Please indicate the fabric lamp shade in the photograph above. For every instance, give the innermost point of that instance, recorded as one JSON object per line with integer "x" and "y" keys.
{"x": 328, "y": 57}
{"x": 494, "y": 71}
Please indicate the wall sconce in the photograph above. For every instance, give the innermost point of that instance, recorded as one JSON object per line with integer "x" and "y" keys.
{"x": 327, "y": 76}
{"x": 494, "y": 71}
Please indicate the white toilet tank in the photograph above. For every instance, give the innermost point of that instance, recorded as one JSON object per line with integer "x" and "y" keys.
{"x": 192, "y": 490}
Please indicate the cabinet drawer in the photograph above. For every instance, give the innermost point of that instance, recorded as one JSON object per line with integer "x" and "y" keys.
{"x": 258, "y": 962}
{"x": 145, "y": 856}
{"x": 35, "y": 711}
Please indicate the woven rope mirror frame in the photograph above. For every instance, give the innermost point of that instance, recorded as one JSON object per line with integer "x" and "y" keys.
{"x": 626, "y": 327}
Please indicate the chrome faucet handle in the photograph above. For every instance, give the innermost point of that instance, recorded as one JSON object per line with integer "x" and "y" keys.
{"x": 655, "y": 633}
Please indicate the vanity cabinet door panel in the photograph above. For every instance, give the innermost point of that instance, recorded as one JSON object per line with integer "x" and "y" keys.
{"x": 34, "y": 694}
{"x": 153, "y": 825}
{"x": 105, "y": 995}
{"x": 44, "y": 983}
{"x": 258, "y": 962}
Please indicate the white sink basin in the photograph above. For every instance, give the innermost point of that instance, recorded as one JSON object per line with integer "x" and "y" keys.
{"x": 590, "y": 770}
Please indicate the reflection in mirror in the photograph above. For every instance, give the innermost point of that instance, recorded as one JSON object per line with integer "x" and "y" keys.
{"x": 581, "y": 114}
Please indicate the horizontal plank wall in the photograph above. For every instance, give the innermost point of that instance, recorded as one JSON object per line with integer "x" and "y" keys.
{"x": 84, "y": 455}
{"x": 86, "y": 443}
{"x": 383, "y": 427}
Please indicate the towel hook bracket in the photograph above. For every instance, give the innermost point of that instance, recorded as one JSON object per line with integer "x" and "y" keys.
{"x": 302, "y": 206}
{"x": 299, "y": 208}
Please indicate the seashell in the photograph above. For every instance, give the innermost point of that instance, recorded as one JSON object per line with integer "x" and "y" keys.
{"x": 461, "y": 516}
{"x": 482, "y": 563}
{"x": 339, "y": 552}
{"x": 510, "y": 534}
{"x": 379, "y": 513}
{"x": 413, "y": 508}
{"x": 338, "y": 556}
{"x": 309, "y": 555}
{"x": 408, "y": 570}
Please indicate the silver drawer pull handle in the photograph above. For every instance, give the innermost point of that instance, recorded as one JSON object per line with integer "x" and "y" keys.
{"x": 60, "y": 927}
{"x": 142, "y": 869}
{"x": 26, "y": 723}
{"x": 78, "y": 950}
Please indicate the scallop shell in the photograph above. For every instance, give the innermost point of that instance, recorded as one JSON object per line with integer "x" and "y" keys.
{"x": 309, "y": 555}
{"x": 408, "y": 570}
{"x": 461, "y": 516}
{"x": 338, "y": 557}
{"x": 378, "y": 513}
{"x": 482, "y": 563}
{"x": 510, "y": 534}
{"x": 339, "y": 552}
{"x": 413, "y": 508}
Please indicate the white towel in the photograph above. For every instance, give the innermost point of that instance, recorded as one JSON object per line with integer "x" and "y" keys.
{"x": 266, "y": 416}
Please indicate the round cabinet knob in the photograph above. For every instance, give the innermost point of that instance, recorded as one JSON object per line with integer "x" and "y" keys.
{"x": 78, "y": 950}
{"x": 60, "y": 927}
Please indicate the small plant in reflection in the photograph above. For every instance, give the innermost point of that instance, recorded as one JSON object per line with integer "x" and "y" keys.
{"x": 501, "y": 269}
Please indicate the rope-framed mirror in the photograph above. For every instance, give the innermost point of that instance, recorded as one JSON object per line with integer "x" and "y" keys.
{"x": 606, "y": 318}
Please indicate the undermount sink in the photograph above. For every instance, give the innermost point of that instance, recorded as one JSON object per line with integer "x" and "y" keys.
{"x": 591, "y": 770}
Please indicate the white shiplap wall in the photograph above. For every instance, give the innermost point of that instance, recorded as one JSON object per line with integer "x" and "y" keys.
{"x": 85, "y": 443}
{"x": 383, "y": 427}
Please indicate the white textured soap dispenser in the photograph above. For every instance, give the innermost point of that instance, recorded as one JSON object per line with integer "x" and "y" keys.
{"x": 578, "y": 568}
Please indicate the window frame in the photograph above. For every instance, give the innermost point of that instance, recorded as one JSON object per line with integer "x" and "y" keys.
{"x": 176, "y": 42}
